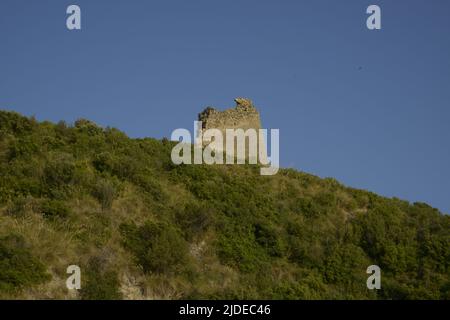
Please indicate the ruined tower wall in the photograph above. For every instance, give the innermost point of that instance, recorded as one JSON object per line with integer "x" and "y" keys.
{"x": 243, "y": 116}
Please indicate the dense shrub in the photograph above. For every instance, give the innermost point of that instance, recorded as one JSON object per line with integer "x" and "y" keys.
{"x": 20, "y": 206}
{"x": 194, "y": 219}
{"x": 105, "y": 191}
{"x": 19, "y": 269}
{"x": 59, "y": 173}
{"x": 52, "y": 209}
{"x": 158, "y": 247}
{"x": 99, "y": 282}
{"x": 269, "y": 238}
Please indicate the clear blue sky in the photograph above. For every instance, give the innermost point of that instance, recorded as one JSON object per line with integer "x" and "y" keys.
{"x": 370, "y": 108}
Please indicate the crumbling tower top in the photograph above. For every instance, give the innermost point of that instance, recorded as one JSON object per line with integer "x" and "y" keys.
{"x": 243, "y": 116}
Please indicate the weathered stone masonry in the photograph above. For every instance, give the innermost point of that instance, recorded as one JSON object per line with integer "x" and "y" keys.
{"x": 243, "y": 116}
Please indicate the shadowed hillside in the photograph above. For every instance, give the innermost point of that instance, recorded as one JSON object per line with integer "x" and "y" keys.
{"x": 142, "y": 228}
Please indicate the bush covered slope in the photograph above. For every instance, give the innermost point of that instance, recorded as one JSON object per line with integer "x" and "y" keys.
{"x": 142, "y": 228}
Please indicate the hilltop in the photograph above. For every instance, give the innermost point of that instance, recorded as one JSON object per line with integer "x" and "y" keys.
{"x": 141, "y": 227}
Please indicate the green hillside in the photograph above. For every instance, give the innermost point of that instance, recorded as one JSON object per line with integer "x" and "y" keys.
{"x": 142, "y": 228}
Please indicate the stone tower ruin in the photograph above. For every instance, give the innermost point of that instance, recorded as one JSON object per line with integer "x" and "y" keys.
{"x": 243, "y": 116}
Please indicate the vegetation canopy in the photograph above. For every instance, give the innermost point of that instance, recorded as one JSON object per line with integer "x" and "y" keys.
{"x": 141, "y": 227}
